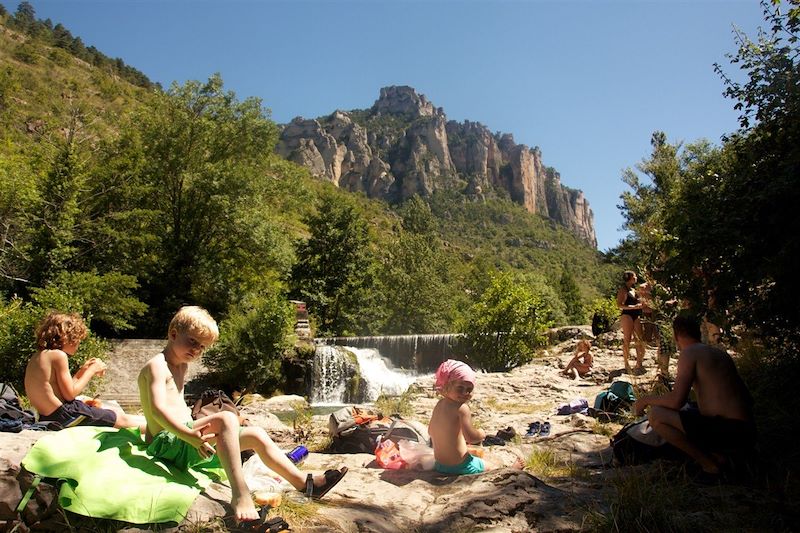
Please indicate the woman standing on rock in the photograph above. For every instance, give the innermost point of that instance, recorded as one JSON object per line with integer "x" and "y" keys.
{"x": 631, "y": 306}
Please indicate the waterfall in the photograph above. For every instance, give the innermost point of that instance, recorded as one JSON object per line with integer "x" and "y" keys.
{"x": 353, "y": 375}
{"x": 331, "y": 372}
{"x": 422, "y": 353}
{"x": 378, "y": 377}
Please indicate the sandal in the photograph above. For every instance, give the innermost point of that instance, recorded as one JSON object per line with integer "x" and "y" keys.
{"x": 332, "y": 477}
{"x": 533, "y": 429}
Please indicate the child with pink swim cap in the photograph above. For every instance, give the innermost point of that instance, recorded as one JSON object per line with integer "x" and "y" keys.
{"x": 451, "y": 426}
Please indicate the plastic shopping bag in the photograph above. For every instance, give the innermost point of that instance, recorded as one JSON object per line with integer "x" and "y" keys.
{"x": 417, "y": 455}
{"x": 387, "y": 454}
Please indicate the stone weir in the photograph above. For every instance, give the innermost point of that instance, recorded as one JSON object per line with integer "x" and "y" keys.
{"x": 125, "y": 360}
{"x": 421, "y": 353}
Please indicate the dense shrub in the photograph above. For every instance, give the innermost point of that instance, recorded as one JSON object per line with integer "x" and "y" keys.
{"x": 253, "y": 342}
{"x": 506, "y": 324}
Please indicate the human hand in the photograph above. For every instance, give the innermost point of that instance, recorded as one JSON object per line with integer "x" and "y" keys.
{"x": 96, "y": 366}
{"x": 638, "y": 407}
{"x": 201, "y": 441}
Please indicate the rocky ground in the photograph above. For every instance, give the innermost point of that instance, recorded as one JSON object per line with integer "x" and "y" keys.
{"x": 567, "y": 484}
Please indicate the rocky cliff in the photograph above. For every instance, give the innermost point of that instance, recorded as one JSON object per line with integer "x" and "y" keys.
{"x": 403, "y": 145}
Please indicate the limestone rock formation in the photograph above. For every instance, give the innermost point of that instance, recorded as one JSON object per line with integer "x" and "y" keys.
{"x": 403, "y": 145}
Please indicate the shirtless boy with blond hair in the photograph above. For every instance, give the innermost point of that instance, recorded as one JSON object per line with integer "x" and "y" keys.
{"x": 174, "y": 437}
{"x": 50, "y": 387}
{"x": 451, "y": 426}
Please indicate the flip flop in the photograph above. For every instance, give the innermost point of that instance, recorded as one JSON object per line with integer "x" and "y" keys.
{"x": 332, "y": 477}
{"x": 533, "y": 429}
{"x": 545, "y": 429}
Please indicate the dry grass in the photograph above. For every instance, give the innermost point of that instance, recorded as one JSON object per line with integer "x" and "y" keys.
{"x": 513, "y": 408}
{"x": 547, "y": 464}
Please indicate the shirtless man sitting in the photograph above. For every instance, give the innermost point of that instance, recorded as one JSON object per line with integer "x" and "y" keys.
{"x": 724, "y": 419}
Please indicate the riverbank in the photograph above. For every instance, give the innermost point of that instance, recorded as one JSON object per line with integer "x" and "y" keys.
{"x": 566, "y": 485}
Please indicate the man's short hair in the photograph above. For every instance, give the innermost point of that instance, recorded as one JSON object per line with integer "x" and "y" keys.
{"x": 687, "y": 326}
{"x": 196, "y": 320}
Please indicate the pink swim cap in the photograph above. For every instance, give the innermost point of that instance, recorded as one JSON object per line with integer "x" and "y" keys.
{"x": 452, "y": 370}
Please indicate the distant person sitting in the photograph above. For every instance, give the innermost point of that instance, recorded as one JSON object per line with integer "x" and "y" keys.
{"x": 50, "y": 387}
{"x": 581, "y": 363}
{"x": 451, "y": 426}
{"x": 724, "y": 420}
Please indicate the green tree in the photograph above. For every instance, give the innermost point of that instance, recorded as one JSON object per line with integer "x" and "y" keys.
{"x": 506, "y": 325}
{"x": 571, "y": 296}
{"x": 24, "y": 17}
{"x": 190, "y": 173}
{"x": 335, "y": 266}
{"x": 415, "y": 285}
{"x": 254, "y": 339}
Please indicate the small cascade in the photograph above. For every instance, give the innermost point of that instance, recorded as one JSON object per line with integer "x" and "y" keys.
{"x": 422, "y": 353}
{"x": 380, "y": 377}
{"x": 345, "y": 374}
{"x": 332, "y": 370}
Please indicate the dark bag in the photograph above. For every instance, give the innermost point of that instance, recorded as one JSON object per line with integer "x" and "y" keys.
{"x": 637, "y": 443}
{"x": 213, "y": 401}
{"x": 26, "y": 501}
{"x": 10, "y": 408}
{"x": 356, "y": 430}
{"x": 609, "y": 404}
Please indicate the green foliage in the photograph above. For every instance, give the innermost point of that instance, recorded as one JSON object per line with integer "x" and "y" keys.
{"x": 105, "y": 298}
{"x": 189, "y": 168}
{"x": 571, "y": 296}
{"x": 395, "y": 405}
{"x": 606, "y": 310}
{"x": 415, "y": 276}
{"x": 505, "y": 326}
{"x": 334, "y": 266}
{"x": 18, "y": 321}
{"x": 253, "y": 341}
{"x": 27, "y": 53}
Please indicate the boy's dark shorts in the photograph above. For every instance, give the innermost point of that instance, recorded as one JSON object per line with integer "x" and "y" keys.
{"x": 77, "y": 413}
{"x": 716, "y": 432}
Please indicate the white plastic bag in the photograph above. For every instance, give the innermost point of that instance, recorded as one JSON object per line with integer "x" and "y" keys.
{"x": 259, "y": 477}
{"x": 417, "y": 455}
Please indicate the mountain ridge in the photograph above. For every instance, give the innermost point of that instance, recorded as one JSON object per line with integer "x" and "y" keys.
{"x": 403, "y": 145}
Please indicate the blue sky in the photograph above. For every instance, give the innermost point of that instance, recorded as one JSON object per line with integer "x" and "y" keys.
{"x": 586, "y": 81}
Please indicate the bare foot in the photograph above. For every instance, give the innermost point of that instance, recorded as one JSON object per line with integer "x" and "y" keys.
{"x": 243, "y": 508}
{"x": 519, "y": 464}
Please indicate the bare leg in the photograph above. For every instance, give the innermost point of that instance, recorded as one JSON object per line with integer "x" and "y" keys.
{"x": 225, "y": 426}
{"x": 627, "y": 331}
{"x": 256, "y": 439}
{"x": 667, "y": 423}
{"x": 639, "y": 334}
{"x": 124, "y": 420}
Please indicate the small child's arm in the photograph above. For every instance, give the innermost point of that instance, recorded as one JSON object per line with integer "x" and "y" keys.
{"x": 71, "y": 386}
{"x": 471, "y": 434}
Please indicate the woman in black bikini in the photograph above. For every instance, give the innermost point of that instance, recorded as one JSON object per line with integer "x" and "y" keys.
{"x": 631, "y": 307}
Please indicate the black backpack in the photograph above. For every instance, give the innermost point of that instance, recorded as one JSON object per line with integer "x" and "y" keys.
{"x": 638, "y": 443}
{"x": 10, "y": 408}
{"x": 356, "y": 430}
